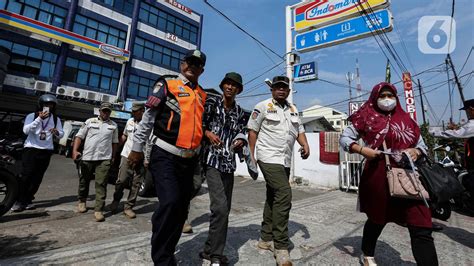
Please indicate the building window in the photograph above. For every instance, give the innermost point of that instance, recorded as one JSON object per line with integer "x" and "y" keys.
{"x": 26, "y": 59}
{"x": 157, "y": 54}
{"x": 38, "y": 10}
{"x": 139, "y": 87}
{"x": 122, "y": 6}
{"x": 94, "y": 77}
{"x": 168, "y": 23}
{"x": 98, "y": 31}
{"x": 338, "y": 122}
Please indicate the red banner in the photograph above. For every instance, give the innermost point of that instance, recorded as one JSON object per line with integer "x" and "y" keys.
{"x": 409, "y": 95}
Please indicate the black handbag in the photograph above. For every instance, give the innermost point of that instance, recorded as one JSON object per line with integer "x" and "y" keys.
{"x": 441, "y": 182}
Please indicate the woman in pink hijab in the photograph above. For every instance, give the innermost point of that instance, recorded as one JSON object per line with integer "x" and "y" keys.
{"x": 382, "y": 118}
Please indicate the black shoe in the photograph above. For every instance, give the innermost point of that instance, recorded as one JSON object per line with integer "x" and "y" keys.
{"x": 437, "y": 227}
{"x": 222, "y": 259}
{"x": 18, "y": 207}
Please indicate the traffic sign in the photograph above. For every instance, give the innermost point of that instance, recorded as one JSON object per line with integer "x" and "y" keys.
{"x": 305, "y": 72}
{"x": 345, "y": 31}
{"x": 354, "y": 106}
{"x": 318, "y": 13}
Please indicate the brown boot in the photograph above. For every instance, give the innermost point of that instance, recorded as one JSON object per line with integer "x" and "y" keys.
{"x": 266, "y": 245}
{"x": 129, "y": 213}
{"x": 81, "y": 207}
{"x": 99, "y": 216}
{"x": 282, "y": 257}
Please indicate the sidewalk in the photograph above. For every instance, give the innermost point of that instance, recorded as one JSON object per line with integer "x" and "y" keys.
{"x": 324, "y": 229}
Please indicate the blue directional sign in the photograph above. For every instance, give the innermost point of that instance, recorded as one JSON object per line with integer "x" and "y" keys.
{"x": 345, "y": 31}
{"x": 304, "y": 72}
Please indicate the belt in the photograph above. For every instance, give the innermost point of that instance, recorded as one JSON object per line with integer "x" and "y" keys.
{"x": 184, "y": 153}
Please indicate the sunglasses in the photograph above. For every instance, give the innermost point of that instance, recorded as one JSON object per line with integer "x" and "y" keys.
{"x": 194, "y": 62}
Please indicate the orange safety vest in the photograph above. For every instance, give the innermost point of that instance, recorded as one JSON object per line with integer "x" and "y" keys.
{"x": 179, "y": 120}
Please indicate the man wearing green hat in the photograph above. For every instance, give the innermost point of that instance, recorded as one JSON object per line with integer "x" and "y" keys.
{"x": 224, "y": 124}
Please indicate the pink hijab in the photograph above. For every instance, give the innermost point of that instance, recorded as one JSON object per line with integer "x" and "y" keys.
{"x": 374, "y": 125}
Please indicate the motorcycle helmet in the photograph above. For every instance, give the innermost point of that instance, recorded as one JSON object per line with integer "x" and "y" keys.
{"x": 47, "y": 98}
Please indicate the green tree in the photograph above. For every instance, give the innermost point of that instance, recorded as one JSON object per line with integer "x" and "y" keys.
{"x": 427, "y": 137}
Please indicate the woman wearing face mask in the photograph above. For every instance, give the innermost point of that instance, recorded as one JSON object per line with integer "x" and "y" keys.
{"x": 382, "y": 118}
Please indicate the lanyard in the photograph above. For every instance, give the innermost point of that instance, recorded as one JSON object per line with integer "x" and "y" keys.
{"x": 43, "y": 126}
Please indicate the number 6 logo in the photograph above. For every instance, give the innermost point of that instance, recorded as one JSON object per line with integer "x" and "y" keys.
{"x": 436, "y": 34}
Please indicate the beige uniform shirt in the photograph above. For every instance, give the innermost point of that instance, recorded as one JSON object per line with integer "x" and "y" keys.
{"x": 277, "y": 127}
{"x": 130, "y": 128}
{"x": 99, "y": 136}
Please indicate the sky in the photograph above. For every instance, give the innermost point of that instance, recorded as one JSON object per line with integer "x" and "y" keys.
{"x": 229, "y": 49}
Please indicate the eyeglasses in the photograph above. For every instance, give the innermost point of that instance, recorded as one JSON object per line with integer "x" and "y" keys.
{"x": 386, "y": 95}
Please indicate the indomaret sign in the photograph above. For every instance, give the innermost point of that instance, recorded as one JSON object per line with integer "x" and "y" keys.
{"x": 409, "y": 95}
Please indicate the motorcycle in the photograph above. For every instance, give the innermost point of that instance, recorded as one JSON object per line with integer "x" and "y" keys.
{"x": 463, "y": 202}
{"x": 10, "y": 151}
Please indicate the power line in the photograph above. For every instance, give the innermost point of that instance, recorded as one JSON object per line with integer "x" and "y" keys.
{"x": 243, "y": 30}
{"x": 467, "y": 59}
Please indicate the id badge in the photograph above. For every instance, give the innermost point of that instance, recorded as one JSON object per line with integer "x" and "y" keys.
{"x": 42, "y": 135}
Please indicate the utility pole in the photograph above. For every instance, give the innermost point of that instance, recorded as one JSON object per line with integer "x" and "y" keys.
{"x": 349, "y": 78}
{"x": 358, "y": 86}
{"x": 421, "y": 99}
{"x": 458, "y": 83}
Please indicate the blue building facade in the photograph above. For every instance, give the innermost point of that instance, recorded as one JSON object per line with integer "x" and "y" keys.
{"x": 90, "y": 51}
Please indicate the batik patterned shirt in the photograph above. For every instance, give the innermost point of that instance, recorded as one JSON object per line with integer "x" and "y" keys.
{"x": 226, "y": 125}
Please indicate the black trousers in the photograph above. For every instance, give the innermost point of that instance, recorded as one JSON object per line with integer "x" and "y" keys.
{"x": 422, "y": 244}
{"x": 34, "y": 164}
{"x": 220, "y": 194}
{"x": 173, "y": 178}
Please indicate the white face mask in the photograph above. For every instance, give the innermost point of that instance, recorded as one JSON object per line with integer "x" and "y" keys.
{"x": 386, "y": 104}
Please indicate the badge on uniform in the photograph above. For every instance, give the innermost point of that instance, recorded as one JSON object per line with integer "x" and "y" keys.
{"x": 43, "y": 135}
{"x": 255, "y": 114}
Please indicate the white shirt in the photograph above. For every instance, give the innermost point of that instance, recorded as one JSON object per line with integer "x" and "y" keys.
{"x": 33, "y": 128}
{"x": 130, "y": 128}
{"x": 99, "y": 136}
{"x": 277, "y": 127}
{"x": 466, "y": 131}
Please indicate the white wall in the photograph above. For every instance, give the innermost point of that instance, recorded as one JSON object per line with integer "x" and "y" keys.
{"x": 317, "y": 173}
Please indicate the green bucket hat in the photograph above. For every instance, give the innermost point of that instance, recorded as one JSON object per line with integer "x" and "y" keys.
{"x": 234, "y": 76}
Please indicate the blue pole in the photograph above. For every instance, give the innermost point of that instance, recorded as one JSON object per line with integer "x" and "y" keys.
{"x": 131, "y": 43}
{"x": 62, "y": 56}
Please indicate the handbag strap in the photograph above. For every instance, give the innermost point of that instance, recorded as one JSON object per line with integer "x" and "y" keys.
{"x": 387, "y": 160}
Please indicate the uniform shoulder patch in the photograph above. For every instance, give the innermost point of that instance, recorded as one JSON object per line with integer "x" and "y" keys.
{"x": 255, "y": 114}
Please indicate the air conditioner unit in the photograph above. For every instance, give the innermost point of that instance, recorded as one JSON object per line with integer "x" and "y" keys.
{"x": 93, "y": 96}
{"x": 42, "y": 86}
{"x": 108, "y": 98}
{"x": 62, "y": 91}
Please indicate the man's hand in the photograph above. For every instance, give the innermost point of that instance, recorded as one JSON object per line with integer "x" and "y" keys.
{"x": 75, "y": 155}
{"x": 43, "y": 115}
{"x": 146, "y": 163}
{"x": 213, "y": 139}
{"x": 135, "y": 158}
{"x": 304, "y": 151}
{"x": 452, "y": 126}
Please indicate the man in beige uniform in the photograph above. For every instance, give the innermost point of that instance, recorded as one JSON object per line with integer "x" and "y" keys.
{"x": 126, "y": 172}
{"x": 101, "y": 137}
{"x": 273, "y": 128}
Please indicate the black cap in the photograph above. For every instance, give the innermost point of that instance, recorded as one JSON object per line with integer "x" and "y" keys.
{"x": 468, "y": 104}
{"x": 280, "y": 79}
{"x": 234, "y": 76}
{"x": 197, "y": 54}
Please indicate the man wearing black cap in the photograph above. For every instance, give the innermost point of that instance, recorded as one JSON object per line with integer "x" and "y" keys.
{"x": 100, "y": 135}
{"x": 465, "y": 132}
{"x": 273, "y": 128}
{"x": 224, "y": 124}
{"x": 126, "y": 172}
{"x": 174, "y": 113}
